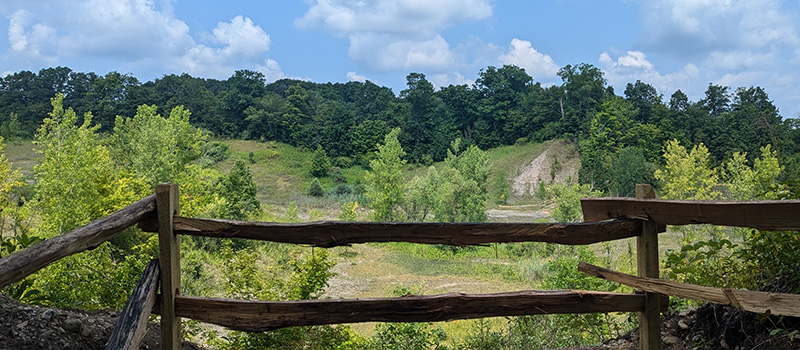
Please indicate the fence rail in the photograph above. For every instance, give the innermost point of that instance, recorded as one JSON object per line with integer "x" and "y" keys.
{"x": 642, "y": 218}
{"x": 761, "y": 215}
{"x": 19, "y": 265}
{"x": 332, "y": 233}
{"x": 259, "y": 316}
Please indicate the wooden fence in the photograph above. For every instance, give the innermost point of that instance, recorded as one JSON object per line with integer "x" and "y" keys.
{"x": 643, "y": 217}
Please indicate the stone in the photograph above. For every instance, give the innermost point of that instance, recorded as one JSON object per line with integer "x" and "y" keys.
{"x": 73, "y": 325}
{"x": 682, "y": 325}
{"x": 48, "y": 314}
{"x": 670, "y": 340}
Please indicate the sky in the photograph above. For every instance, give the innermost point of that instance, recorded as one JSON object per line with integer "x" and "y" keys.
{"x": 670, "y": 44}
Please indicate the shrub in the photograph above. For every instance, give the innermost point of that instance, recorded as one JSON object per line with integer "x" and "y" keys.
{"x": 315, "y": 189}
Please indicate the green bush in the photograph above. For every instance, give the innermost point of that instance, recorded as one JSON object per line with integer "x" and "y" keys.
{"x": 315, "y": 189}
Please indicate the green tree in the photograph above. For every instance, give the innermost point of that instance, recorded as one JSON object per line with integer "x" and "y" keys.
{"x": 568, "y": 200}
{"x": 154, "y": 147}
{"x": 385, "y": 180}
{"x": 315, "y": 188}
{"x": 629, "y": 168}
{"x": 758, "y": 182}
{"x": 320, "y": 163}
{"x": 687, "y": 175}
{"x": 422, "y": 195}
{"x": 239, "y": 191}
{"x": 463, "y": 185}
{"x": 76, "y": 181}
{"x": 426, "y": 132}
{"x": 609, "y": 131}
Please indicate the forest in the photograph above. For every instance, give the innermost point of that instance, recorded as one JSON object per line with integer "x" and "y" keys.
{"x": 503, "y": 107}
{"x": 424, "y": 154}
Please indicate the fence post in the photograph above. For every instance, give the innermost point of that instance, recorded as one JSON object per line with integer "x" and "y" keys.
{"x": 647, "y": 264}
{"x": 169, "y": 245}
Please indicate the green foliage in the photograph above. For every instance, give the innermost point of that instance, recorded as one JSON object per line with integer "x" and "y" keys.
{"x": 687, "y": 175}
{"x": 100, "y": 278}
{"x": 457, "y": 193}
{"x": 348, "y": 212}
{"x": 156, "y": 148}
{"x": 629, "y": 168}
{"x": 407, "y": 336}
{"x": 239, "y": 192}
{"x": 310, "y": 275}
{"x": 217, "y": 151}
{"x": 315, "y": 188}
{"x": 579, "y": 329}
{"x": 320, "y": 163}
{"x": 502, "y": 187}
{"x": 288, "y": 277}
{"x": 385, "y": 180}
{"x": 199, "y": 196}
{"x": 568, "y": 200}
{"x": 609, "y": 131}
{"x": 77, "y": 182}
{"x": 758, "y": 182}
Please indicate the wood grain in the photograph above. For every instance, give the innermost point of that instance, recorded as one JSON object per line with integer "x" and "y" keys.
{"x": 169, "y": 255}
{"x": 132, "y": 323}
{"x": 257, "y": 316}
{"x": 758, "y": 302}
{"x": 15, "y": 267}
{"x": 335, "y": 233}
{"x": 761, "y": 215}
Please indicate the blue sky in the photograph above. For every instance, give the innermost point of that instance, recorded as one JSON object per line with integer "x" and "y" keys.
{"x": 671, "y": 44}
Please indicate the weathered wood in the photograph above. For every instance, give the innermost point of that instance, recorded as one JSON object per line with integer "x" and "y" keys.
{"x": 759, "y": 302}
{"x": 761, "y": 215}
{"x": 257, "y": 316}
{"x": 132, "y": 323}
{"x": 15, "y": 267}
{"x": 334, "y": 233}
{"x": 647, "y": 266}
{"x": 169, "y": 254}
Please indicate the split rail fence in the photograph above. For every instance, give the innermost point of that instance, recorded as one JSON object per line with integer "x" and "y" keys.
{"x": 605, "y": 219}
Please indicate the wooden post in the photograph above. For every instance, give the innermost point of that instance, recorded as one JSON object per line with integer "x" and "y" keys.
{"x": 647, "y": 264}
{"x": 169, "y": 244}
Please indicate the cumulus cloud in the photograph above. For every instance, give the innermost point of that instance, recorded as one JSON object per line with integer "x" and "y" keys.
{"x": 729, "y": 42}
{"x": 634, "y": 65}
{"x": 392, "y": 16}
{"x": 387, "y": 35}
{"x": 445, "y": 79}
{"x": 694, "y": 29}
{"x": 272, "y": 70}
{"x": 384, "y": 53}
{"x": 241, "y": 41}
{"x": 535, "y": 63}
{"x": 353, "y": 76}
{"x": 136, "y": 33}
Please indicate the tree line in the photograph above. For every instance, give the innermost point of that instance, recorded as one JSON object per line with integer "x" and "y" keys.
{"x": 504, "y": 106}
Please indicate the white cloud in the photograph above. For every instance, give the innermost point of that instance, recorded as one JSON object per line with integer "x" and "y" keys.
{"x": 535, "y": 63}
{"x": 445, "y": 79}
{"x": 392, "y": 16}
{"x": 353, "y": 76}
{"x": 633, "y": 65}
{"x": 242, "y": 42}
{"x": 695, "y": 28}
{"x": 134, "y": 33}
{"x": 384, "y": 53}
{"x": 729, "y": 42}
{"x": 389, "y": 35}
{"x": 271, "y": 70}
